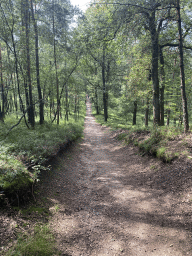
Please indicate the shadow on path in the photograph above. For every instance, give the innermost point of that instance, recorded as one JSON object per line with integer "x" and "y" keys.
{"x": 111, "y": 202}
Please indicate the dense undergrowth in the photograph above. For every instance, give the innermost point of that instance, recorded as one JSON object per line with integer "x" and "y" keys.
{"x": 153, "y": 140}
{"x": 25, "y": 152}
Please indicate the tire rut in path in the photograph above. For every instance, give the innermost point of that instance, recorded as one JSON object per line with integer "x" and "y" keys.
{"x": 105, "y": 205}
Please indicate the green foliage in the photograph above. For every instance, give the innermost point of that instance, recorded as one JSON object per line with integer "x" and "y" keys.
{"x": 170, "y": 133}
{"x": 118, "y": 121}
{"x": 41, "y": 243}
{"x": 150, "y": 144}
{"x": 157, "y": 139}
{"x": 13, "y": 174}
{"x": 122, "y": 136}
{"x": 34, "y": 147}
{"x": 154, "y": 144}
{"x": 161, "y": 152}
{"x": 164, "y": 155}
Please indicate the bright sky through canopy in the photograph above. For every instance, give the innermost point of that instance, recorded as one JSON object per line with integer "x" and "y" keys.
{"x": 81, "y": 3}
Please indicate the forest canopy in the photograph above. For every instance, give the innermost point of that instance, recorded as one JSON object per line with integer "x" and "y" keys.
{"x": 127, "y": 55}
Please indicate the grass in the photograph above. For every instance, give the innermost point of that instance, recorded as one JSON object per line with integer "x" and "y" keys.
{"x": 153, "y": 167}
{"x": 23, "y": 148}
{"x": 153, "y": 143}
{"x": 31, "y": 209}
{"x": 56, "y": 208}
{"x": 40, "y": 243}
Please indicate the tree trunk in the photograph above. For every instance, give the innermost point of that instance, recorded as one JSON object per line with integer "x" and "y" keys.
{"x": 78, "y": 105}
{"x": 104, "y": 87}
{"x": 41, "y": 103}
{"x": 96, "y": 101}
{"x": 135, "y": 113}
{"x": 23, "y": 17}
{"x": 2, "y": 109}
{"x": 147, "y": 113}
{"x": 27, "y": 98}
{"x": 104, "y": 101}
{"x": 66, "y": 104}
{"x": 17, "y": 76}
{"x": 182, "y": 73}
{"x": 154, "y": 70}
{"x": 75, "y": 110}
{"x": 14, "y": 92}
{"x": 162, "y": 89}
{"x": 31, "y": 108}
{"x": 162, "y": 73}
{"x": 55, "y": 60}
{"x": 168, "y": 116}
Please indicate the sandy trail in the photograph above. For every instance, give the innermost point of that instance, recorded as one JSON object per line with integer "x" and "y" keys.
{"x": 104, "y": 204}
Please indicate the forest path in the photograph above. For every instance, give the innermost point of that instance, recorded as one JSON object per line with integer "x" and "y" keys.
{"x": 103, "y": 202}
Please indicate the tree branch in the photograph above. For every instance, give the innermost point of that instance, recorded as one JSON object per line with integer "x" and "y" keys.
{"x": 24, "y": 112}
{"x": 175, "y": 45}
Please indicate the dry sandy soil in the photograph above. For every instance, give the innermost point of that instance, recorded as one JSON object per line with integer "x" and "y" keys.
{"x": 106, "y": 199}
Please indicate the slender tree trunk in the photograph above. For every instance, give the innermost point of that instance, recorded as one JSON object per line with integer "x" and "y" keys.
{"x": 154, "y": 71}
{"x": 23, "y": 37}
{"x": 75, "y": 103}
{"x": 27, "y": 98}
{"x": 17, "y": 76}
{"x": 78, "y": 105}
{"x": 104, "y": 99}
{"x": 96, "y": 101}
{"x": 162, "y": 89}
{"x": 182, "y": 73}
{"x": 147, "y": 113}
{"x": 41, "y": 103}
{"x": 135, "y": 112}
{"x": 66, "y": 104}
{"x": 32, "y": 118}
{"x": 15, "y": 93}
{"x": 55, "y": 60}
{"x": 104, "y": 87}
{"x": 2, "y": 110}
{"x": 168, "y": 116}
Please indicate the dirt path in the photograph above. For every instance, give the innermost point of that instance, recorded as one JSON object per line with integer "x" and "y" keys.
{"x": 105, "y": 201}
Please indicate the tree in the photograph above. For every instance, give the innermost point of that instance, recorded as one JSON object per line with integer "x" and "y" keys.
{"x": 182, "y": 73}
{"x": 98, "y": 35}
{"x": 41, "y": 103}
{"x": 146, "y": 14}
{"x": 2, "y": 106}
{"x": 28, "y": 63}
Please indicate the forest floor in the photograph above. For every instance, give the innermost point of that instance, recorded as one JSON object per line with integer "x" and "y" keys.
{"x": 106, "y": 199}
